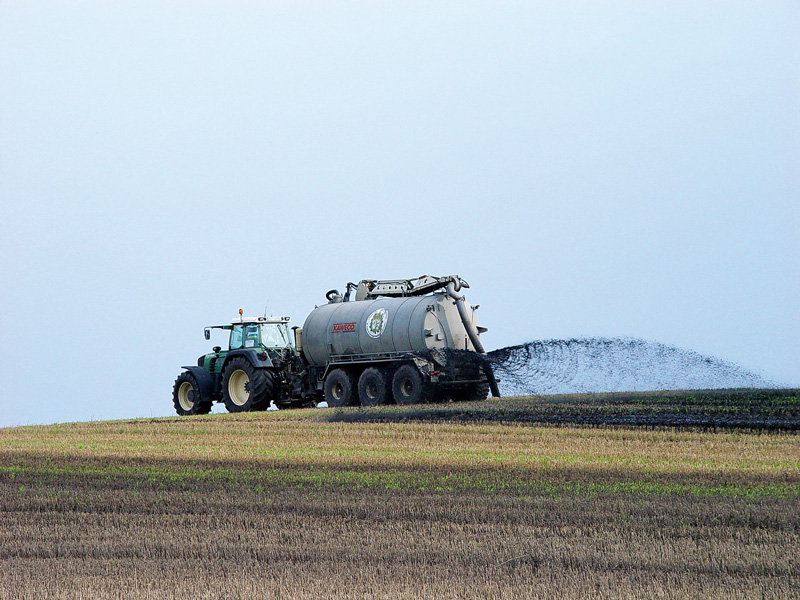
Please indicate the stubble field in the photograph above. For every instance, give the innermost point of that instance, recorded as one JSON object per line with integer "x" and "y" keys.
{"x": 392, "y": 503}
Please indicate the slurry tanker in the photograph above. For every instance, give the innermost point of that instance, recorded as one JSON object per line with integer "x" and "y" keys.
{"x": 402, "y": 341}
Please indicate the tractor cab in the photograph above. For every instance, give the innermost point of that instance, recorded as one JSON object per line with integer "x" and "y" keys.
{"x": 264, "y": 335}
{"x": 268, "y": 335}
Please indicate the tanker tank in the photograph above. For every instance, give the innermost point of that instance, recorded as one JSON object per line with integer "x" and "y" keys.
{"x": 386, "y": 326}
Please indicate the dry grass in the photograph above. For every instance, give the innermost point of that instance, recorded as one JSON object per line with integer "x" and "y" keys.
{"x": 284, "y": 505}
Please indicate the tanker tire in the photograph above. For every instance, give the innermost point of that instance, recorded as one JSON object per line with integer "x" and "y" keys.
{"x": 408, "y": 386}
{"x": 374, "y": 387}
{"x": 187, "y": 398}
{"x": 340, "y": 388}
{"x": 245, "y": 388}
{"x": 474, "y": 392}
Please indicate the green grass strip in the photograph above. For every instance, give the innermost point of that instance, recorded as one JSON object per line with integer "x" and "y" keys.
{"x": 262, "y": 480}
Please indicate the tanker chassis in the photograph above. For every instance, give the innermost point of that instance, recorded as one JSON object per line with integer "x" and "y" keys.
{"x": 401, "y": 341}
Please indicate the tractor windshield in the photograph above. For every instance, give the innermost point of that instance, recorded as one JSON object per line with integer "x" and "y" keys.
{"x": 274, "y": 335}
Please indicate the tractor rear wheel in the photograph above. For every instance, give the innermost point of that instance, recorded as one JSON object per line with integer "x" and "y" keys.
{"x": 374, "y": 387}
{"x": 409, "y": 387}
{"x": 340, "y": 388}
{"x": 187, "y": 398}
{"x": 246, "y": 388}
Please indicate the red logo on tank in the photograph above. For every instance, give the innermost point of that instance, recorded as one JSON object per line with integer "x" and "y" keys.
{"x": 343, "y": 327}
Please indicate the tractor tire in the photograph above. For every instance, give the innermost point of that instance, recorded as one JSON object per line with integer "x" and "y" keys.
{"x": 408, "y": 386}
{"x": 340, "y": 388}
{"x": 246, "y": 388}
{"x": 187, "y": 398}
{"x": 374, "y": 387}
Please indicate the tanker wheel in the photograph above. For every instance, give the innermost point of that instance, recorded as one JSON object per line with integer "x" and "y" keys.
{"x": 340, "y": 388}
{"x": 374, "y": 387}
{"x": 187, "y": 398}
{"x": 474, "y": 392}
{"x": 408, "y": 386}
{"x": 245, "y": 388}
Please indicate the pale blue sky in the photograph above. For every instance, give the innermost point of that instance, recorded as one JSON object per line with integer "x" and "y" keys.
{"x": 615, "y": 168}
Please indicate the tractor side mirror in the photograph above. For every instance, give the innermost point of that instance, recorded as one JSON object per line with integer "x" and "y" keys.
{"x": 207, "y": 333}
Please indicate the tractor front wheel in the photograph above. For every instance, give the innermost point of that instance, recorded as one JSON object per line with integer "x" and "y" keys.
{"x": 246, "y": 388}
{"x": 187, "y": 398}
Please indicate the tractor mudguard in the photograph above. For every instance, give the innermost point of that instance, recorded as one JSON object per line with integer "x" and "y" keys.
{"x": 205, "y": 380}
{"x": 251, "y": 355}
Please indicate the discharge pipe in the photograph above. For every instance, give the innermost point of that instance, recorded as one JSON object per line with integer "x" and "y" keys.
{"x": 452, "y": 290}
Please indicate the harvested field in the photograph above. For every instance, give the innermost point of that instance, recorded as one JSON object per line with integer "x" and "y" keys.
{"x": 302, "y": 504}
{"x": 707, "y": 410}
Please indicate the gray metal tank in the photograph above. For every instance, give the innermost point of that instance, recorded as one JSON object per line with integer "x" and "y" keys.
{"x": 384, "y": 325}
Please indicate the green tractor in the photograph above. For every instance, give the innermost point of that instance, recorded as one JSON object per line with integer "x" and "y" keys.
{"x": 260, "y": 367}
